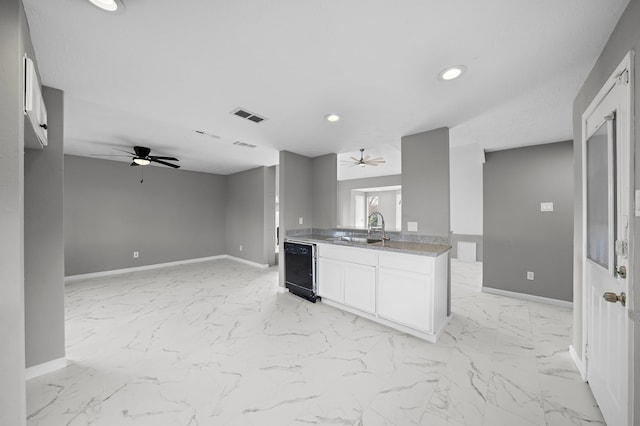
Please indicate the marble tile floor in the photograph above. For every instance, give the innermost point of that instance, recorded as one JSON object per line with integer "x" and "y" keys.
{"x": 215, "y": 343}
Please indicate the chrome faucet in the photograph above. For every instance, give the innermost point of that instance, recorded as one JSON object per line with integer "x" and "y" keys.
{"x": 384, "y": 235}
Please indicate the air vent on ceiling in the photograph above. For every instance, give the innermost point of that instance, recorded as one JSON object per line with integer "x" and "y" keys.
{"x": 203, "y": 133}
{"x": 245, "y": 145}
{"x": 243, "y": 113}
{"x": 255, "y": 118}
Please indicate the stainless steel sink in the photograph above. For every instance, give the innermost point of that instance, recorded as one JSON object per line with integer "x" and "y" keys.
{"x": 361, "y": 240}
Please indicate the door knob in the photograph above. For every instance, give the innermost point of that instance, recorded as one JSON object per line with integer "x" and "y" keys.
{"x": 613, "y": 298}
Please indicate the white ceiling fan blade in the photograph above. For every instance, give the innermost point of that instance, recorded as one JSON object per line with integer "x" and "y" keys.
{"x": 355, "y": 159}
{"x": 375, "y": 163}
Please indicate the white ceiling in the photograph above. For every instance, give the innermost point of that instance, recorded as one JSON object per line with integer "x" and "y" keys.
{"x": 158, "y": 70}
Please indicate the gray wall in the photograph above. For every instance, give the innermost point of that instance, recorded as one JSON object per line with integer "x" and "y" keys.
{"x": 425, "y": 182}
{"x": 345, "y": 207}
{"x": 44, "y": 240}
{"x": 295, "y": 197}
{"x": 518, "y": 237}
{"x": 247, "y": 204}
{"x": 324, "y": 190}
{"x": 174, "y": 215}
{"x": 625, "y": 37}
{"x": 14, "y": 33}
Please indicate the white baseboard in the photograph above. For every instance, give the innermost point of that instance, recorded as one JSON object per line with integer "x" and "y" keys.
{"x": 248, "y": 262}
{"x": 578, "y": 362}
{"x": 529, "y": 297}
{"x": 444, "y": 325}
{"x": 100, "y": 274}
{"x": 45, "y": 368}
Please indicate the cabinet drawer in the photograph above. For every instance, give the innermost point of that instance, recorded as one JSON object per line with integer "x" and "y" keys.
{"x": 348, "y": 254}
{"x": 407, "y": 262}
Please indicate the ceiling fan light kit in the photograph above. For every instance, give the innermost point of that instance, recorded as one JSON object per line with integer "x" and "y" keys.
{"x": 141, "y": 161}
{"x": 365, "y": 161}
{"x": 141, "y": 157}
{"x": 108, "y": 5}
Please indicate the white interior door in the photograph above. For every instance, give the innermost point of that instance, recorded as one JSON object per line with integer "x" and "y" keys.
{"x": 606, "y": 172}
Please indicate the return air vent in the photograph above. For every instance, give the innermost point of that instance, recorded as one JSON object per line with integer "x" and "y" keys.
{"x": 243, "y": 113}
{"x": 245, "y": 145}
{"x": 255, "y": 119}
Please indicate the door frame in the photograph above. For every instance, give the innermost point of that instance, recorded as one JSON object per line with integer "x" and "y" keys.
{"x": 583, "y": 366}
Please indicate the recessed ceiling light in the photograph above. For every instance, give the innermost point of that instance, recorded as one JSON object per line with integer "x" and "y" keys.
{"x": 108, "y": 5}
{"x": 451, "y": 73}
{"x": 332, "y": 118}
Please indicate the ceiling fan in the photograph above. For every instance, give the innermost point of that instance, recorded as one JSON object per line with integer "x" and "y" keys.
{"x": 364, "y": 160}
{"x": 141, "y": 157}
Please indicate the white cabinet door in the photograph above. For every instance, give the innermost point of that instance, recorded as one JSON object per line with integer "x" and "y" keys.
{"x": 330, "y": 279}
{"x": 406, "y": 297}
{"x": 360, "y": 287}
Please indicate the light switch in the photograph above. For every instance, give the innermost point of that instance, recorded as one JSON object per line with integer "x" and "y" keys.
{"x": 300, "y": 221}
{"x": 412, "y": 226}
{"x": 546, "y": 207}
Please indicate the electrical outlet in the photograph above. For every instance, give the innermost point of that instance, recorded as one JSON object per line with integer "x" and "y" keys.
{"x": 240, "y": 248}
{"x": 530, "y": 275}
{"x": 412, "y": 226}
{"x": 546, "y": 207}
{"x": 300, "y": 221}
{"x": 136, "y": 254}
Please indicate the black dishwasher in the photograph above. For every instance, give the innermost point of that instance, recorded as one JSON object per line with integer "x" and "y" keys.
{"x": 300, "y": 269}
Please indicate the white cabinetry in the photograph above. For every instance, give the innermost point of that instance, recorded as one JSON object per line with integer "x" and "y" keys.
{"x": 347, "y": 275}
{"x": 34, "y": 107}
{"x": 408, "y": 292}
{"x": 360, "y": 287}
{"x": 404, "y": 298}
{"x": 330, "y": 279}
{"x": 412, "y": 290}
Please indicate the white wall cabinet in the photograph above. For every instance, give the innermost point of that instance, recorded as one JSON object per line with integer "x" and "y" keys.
{"x": 405, "y": 291}
{"x": 34, "y": 107}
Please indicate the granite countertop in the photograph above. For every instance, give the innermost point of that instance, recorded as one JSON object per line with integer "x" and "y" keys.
{"x": 407, "y": 247}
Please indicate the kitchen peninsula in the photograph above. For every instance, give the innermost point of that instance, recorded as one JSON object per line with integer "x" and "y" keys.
{"x": 402, "y": 284}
